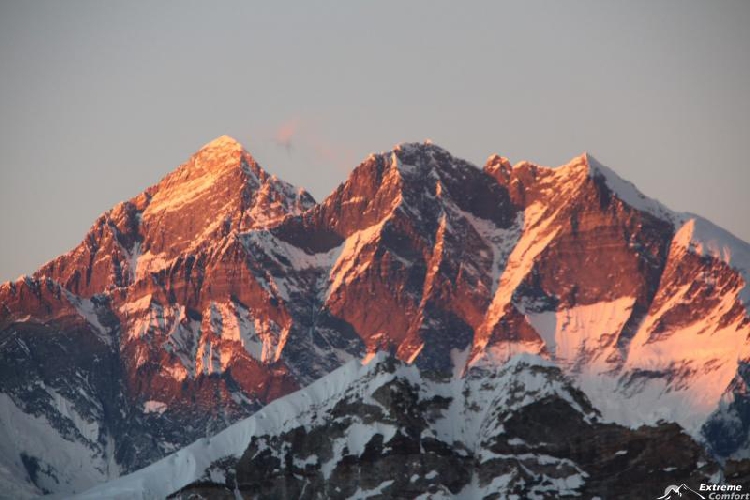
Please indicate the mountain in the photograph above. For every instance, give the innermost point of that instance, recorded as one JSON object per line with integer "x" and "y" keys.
{"x": 222, "y": 288}
{"x": 139, "y": 340}
{"x": 385, "y": 428}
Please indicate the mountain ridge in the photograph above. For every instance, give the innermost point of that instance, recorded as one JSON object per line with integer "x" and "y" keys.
{"x": 193, "y": 308}
{"x": 386, "y": 428}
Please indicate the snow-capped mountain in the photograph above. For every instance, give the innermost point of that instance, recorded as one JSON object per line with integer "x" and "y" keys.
{"x": 387, "y": 430}
{"x": 222, "y": 288}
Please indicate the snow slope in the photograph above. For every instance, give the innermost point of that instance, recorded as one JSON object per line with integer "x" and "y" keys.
{"x": 513, "y": 386}
{"x": 473, "y": 435}
{"x": 190, "y": 463}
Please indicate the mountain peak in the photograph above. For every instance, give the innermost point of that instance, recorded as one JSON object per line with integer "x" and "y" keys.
{"x": 425, "y": 145}
{"x": 224, "y": 153}
{"x": 498, "y": 165}
{"x": 590, "y": 160}
{"x": 495, "y": 158}
{"x": 626, "y": 190}
{"x": 224, "y": 142}
{"x": 584, "y": 160}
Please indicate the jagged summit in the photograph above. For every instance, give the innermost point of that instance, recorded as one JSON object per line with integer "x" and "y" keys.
{"x": 496, "y": 159}
{"x": 628, "y": 192}
{"x": 220, "y": 189}
{"x": 590, "y": 160}
{"x": 427, "y": 144}
{"x": 584, "y": 159}
{"x": 428, "y": 163}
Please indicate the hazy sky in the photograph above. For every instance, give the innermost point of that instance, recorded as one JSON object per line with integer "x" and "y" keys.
{"x": 99, "y": 100}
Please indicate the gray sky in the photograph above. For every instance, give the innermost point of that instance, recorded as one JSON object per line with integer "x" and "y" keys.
{"x": 99, "y": 100}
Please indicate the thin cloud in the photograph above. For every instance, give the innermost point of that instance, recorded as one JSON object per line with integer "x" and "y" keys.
{"x": 286, "y": 134}
{"x": 302, "y": 137}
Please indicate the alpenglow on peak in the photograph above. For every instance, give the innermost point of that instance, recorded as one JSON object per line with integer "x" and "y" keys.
{"x": 224, "y": 142}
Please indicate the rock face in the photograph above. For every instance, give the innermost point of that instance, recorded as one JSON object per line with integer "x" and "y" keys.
{"x": 385, "y": 430}
{"x": 222, "y": 288}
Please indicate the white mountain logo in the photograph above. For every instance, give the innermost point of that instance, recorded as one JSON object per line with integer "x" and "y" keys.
{"x": 682, "y": 491}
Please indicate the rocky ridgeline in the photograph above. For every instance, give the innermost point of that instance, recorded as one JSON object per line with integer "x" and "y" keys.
{"x": 222, "y": 288}
{"x": 388, "y": 430}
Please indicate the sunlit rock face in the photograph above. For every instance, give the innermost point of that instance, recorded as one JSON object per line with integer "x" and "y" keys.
{"x": 222, "y": 288}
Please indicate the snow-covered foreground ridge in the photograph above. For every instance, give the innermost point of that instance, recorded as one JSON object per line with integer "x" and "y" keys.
{"x": 192, "y": 462}
{"x": 468, "y": 437}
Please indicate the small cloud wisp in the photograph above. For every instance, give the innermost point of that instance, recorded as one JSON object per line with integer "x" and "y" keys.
{"x": 286, "y": 134}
